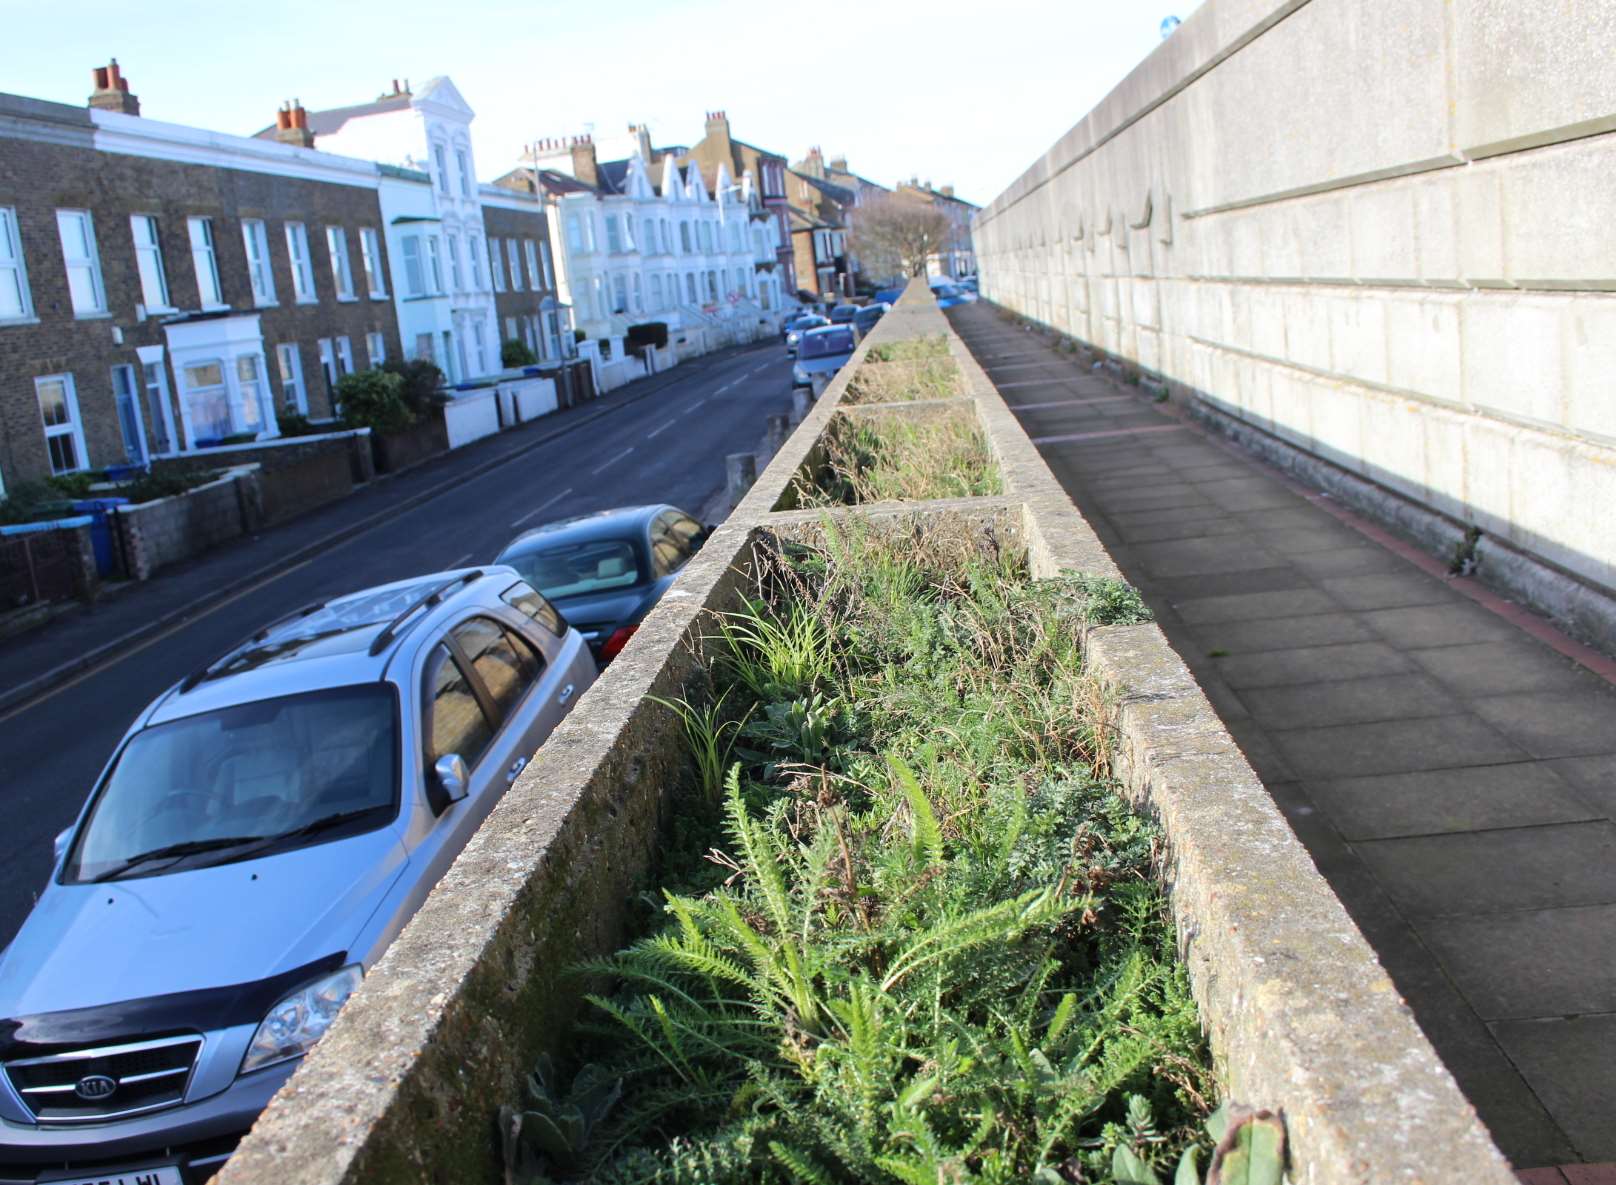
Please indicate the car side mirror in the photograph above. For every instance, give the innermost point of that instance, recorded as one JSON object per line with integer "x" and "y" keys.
{"x": 60, "y": 845}
{"x": 452, "y": 777}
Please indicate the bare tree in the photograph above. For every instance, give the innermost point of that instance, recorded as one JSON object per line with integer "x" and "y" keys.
{"x": 898, "y": 234}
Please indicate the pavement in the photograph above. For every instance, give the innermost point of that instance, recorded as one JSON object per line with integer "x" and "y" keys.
{"x": 1448, "y": 758}
{"x": 69, "y": 689}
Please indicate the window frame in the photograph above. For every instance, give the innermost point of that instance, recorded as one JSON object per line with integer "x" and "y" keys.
{"x": 150, "y": 253}
{"x": 530, "y": 251}
{"x": 370, "y": 258}
{"x": 375, "y": 348}
{"x": 496, "y": 264}
{"x": 137, "y": 450}
{"x": 463, "y": 164}
{"x": 336, "y": 245}
{"x": 455, "y": 274}
{"x": 260, "y": 274}
{"x": 91, "y": 264}
{"x": 205, "y": 260}
{"x": 474, "y": 262}
{"x": 297, "y": 252}
{"x": 514, "y": 254}
{"x": 73, "y": 427}
{"x": 442, "y": 651}
{"x": 14, "y": 264}
{"x": 291, "y": 378}
{"x": 548, "y": 264}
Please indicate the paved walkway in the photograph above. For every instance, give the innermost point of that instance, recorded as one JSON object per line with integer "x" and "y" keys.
{"x": 1452, "y": 775}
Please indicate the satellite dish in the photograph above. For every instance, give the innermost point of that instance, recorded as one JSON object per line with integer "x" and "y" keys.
{"x": 1169, "y": 23}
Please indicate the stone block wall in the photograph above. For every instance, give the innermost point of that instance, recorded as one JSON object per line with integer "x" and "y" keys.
{"x": 1373, "y": 231}
{"x": 169, "y": 530}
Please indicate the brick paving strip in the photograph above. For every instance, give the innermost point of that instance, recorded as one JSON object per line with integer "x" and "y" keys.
{"x": 32, "y": 664}
{"x": 1448, "y": 758}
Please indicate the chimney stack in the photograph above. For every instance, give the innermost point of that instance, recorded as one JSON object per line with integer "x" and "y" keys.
{"x": 292, "y": 125}
{"x": 584, "y": 165}
{"x": 839, "y": 163}
{"x": 718, "y": 124}
{"x": 111, "y": 91}
{"x": 947, "y": 191}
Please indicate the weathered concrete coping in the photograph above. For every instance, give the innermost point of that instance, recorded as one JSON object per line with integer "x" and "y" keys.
{"x": 1300, "y": 1014}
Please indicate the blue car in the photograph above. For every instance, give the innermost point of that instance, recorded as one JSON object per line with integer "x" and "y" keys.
{"x": 820, "y": 354}
{"x": 606, "y": 571}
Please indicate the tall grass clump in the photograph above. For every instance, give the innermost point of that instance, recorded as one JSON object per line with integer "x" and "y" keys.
{"x": 905, "y": 382}
{"x": 898, "y": 459}
{"x": 912, "y": 349}
{"x": 919, "y": 939}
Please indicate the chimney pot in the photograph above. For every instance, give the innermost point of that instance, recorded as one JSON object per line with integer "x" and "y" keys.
{"x": 100, "y": 76}
{"x": 283, "y": 119}
{"x": 112, "y": 90}
{"x": 114, "y": 76}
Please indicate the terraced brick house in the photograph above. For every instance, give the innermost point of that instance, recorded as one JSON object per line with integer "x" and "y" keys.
{"x": 164, "y": 288}
{"x": 959, "y": 258}
{"x": 768, "y": 173}
{"x": 821, "y": 213}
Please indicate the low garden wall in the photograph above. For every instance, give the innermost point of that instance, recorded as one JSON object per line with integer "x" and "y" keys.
{"x": 350, "y": 444}
{"x": 1300, "y": 1015}
{"x": 471, "y": 416}
{"x": 169, "y": 530}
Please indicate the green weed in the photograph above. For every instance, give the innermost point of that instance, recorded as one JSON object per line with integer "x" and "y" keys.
{"x": 902, "y": 460}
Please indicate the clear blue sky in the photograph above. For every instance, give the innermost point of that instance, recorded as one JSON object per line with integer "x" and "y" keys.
{"x": 967, "y": 94}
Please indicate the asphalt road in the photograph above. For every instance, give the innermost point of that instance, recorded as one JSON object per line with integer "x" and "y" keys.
{"x": 669, "y": 447}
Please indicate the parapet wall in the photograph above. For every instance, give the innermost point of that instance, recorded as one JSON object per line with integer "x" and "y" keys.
{"x": 1376, "y": 232}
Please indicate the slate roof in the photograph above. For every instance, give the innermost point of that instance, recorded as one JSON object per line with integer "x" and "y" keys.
{"x": 324, "y": 123}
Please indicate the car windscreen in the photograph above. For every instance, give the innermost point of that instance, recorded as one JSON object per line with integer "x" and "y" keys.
{"x": 579, "y": 569}
{"x": 822, "y": 345}
{"x": 225, "y": 784}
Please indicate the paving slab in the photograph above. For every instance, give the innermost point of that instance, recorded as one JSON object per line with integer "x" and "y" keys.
{"x": 1281, "y": 633}
{"x": 1311, "y": 664}
{"x": 1555, "y": 723}
{"x": 1227, "y": 583}
{"x": 1189, "y": 557}
{"x": 1499, "y": 668}
{"x": 1570, "y": 1063}
{"x": 1492, "y": 872}
{"x": 1453, "y": 624}
{"x": 1349, "y": 701}
{"x": 1389, "y": 590}
{"x": 1530, "y": 963}
{"x": 1432, "y": 802}
{"x": 1593, "y": 779}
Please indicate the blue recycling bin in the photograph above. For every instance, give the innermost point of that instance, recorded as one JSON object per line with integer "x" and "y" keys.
{"x": 99, "y": 510}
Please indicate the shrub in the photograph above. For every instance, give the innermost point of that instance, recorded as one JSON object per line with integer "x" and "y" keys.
{"x": 649, "y": 333}
{"x": 72, "y": 485}
{"x": 296, "y": 424}
{"x": 164, "y": 483}
{"x": 514, "y": 352}
{"x": 374, "y": 399}
{"x": 32, "y": 501}
{"x": 423, "y": 383}
{"x": 579, "y": 335}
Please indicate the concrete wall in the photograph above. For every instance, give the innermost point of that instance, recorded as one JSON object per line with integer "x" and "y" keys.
{"x": 1376, "y": 231}
{"x": 156, "y": 534}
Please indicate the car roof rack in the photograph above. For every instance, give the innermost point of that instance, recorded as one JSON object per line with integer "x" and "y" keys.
{"x": 391, "y": 631}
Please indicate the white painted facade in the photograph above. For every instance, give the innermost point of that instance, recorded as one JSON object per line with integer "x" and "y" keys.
{"x": 666, "y": 248}
{"x": 442, "y": 284}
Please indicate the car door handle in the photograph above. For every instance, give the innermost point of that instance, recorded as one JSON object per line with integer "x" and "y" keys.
{"x": 566, "y": 694}
{"x": 517, "y": 767}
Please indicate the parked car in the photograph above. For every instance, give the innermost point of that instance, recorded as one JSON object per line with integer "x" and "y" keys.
{"x": 843, "y": 313}
{"x": 800, "y": 327}
{"x": 261, "y": 834}
{"x": 820, "y": 354}
{"x": 793, "y": 322}
{"x": 605, "y": 571}
{"x": 888, "y": 296}
{"x": 865, "y": 319}
{"x": 948, "y": 295}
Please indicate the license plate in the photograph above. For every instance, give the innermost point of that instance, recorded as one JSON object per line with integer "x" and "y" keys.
{"x": 163, "y": 1174}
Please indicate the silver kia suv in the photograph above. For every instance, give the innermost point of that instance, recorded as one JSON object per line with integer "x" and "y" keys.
{"x": 260, "y": 835}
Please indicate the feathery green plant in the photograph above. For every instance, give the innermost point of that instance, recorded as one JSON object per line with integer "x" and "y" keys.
{"x": 903, "y": 460}
{"x": 938, "y": 953}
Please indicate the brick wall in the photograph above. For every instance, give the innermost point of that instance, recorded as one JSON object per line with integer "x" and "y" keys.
{"x": 48, "y": 166}
{"x": 506, "y": 224}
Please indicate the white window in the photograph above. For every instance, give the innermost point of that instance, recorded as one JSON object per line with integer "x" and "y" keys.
{"x": 259, "y": 271}
{"x": 59, "y": 409}
{"x": 496, "y": 265}
{"x": 336, "y": 243}
{"x": 159, "y": 415}
{"x": 293, "y": 396}
{"x": 250, "y": 410}
{"x": 345, "y": 355}
{"x": 656, "y": 291}
{"x": 650, "y": 236}
{"x": 531, "y": 251}
{"x": 370, "y": 255}
{"x": 205, "y": 259}
{"x": 690, "y": 287}
{"x": 434, "y": 266}
{"x": 639, "y": 303}
{"x": 15, "y": 303}
{"x": 375, "y": 349}
{"x": 443, "y": 167}
{"x": 619, "y": 295}
{"x": 549, "y": 271}
{"x": 707, "y": 237}
{"x": 478, "y": 346}
{"x": 126, "y": 398}
{"x": 206, "y": 401}
{"x": 628, "y": 232}
{"x": 84, "y": 285}
{"x": 328, "y": 366}
{"x": 575, "y": 238}
{"x": 464, "y": 372}
{"x": 510, "y": 328}
{"x": 423, "y": 347}
{"x": 516, "y": 264}
{"x": 414, "y": 273}
{"x": 474, "y": 261}
{"x": 465, "y": 172}
{"x": 149, "y": 262}
{"x": 684, "y": 237}
{"x": 454, "y": 263}
{"x": 297, "y": 246}
{"x": 614, "y": 238}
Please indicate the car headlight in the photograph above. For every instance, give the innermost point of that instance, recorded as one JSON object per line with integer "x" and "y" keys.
{"x": 300, "y": 1019}
{"x": 798, "y": 374}
{"x": 791, "y": 339}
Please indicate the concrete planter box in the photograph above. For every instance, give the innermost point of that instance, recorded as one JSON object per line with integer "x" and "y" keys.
{"x": 399, "y": 450}
{"x": 1301, "y": 1016}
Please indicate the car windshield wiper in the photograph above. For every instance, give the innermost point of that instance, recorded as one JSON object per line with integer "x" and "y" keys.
{"x": 324, "y": 823}
{"x": 189, "y": 847}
